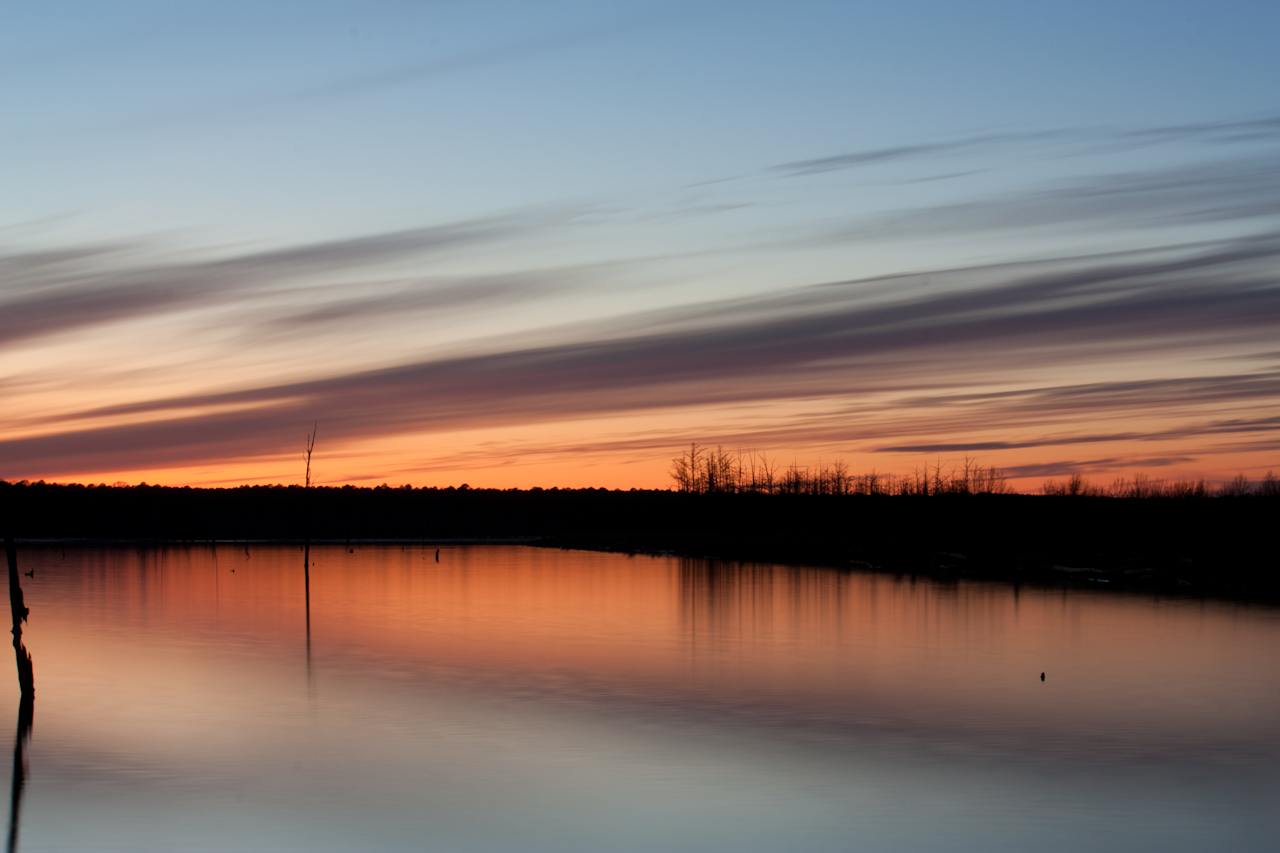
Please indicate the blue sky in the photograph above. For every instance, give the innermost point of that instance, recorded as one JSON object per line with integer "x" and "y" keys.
{"x": 288, "y": 118}
{"x": 645, "y": 156}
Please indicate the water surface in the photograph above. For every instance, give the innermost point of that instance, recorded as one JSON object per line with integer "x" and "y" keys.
{"x": 518, "y": 699}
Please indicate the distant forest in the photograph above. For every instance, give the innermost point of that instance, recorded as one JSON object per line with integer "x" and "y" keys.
{"x": 702, "y": 469}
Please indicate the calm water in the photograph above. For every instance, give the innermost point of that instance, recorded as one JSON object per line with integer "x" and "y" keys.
{"x": 516, "y": 699}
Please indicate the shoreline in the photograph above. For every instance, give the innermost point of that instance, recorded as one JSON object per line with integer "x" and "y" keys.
{"x": 1215, "y": 546}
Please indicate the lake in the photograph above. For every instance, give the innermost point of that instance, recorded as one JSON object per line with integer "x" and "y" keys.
{"x": 524, "y": 699}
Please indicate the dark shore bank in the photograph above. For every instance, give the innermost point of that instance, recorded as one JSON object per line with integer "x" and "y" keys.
{"x": 1213, "y": 546}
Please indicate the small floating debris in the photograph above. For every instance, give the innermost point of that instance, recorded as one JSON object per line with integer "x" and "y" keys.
{"x": 1087, "y": 573}
{"x": 1076, "y": 570}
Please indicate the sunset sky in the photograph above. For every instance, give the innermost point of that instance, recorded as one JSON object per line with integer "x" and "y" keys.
{"x": 550, "y": 243}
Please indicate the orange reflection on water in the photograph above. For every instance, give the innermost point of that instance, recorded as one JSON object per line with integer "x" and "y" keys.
{"x": 592, "y": 698}
{"x": 815, "y": 643}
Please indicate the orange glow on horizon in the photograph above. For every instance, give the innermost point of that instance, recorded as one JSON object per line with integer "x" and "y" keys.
{"x": 604, "y": 453}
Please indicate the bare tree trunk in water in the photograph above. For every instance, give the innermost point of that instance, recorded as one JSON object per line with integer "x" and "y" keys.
{"x": 16, "y": 604}
{"x": 18, "y": 609}
{"x": 27, "y": 701}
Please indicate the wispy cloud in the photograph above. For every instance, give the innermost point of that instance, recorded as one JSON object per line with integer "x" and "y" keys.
{"x": 1226, "y": 131}
{"x": 439, "y": 296}
{"x": 433, "y": 64}
{"x": 1229, "y": 131}
{"x": 440, "y": 66}
{"x": 1200, "y": 430}
{"x": 1195, "y": 194}
{"x": 1063, "y": 467}
{"x": 927, "y": 150}
{"x": 55, "y": 291}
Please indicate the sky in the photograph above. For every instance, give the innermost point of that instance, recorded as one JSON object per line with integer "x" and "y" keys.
{"x": 516, "y": 244}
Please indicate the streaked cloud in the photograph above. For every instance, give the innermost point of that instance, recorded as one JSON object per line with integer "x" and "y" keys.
{"x": 1266, "y": 128}
{"x": 838, "y": 340}
{"x": 1064, "y": 467}
{"x": 1230, "y": 131}
{"x": 437, "y": 296}
{"x": 894, "y": 153}
{"x": 1235, "y": 425}
{"x": 1200, "y": 193}
{"x": 59, "y": 290}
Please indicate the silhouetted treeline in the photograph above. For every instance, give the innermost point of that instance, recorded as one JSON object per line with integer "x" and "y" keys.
{"x": 1214, "y": 545}
{"x": 702, "y": 469}
{"x": 1142, "y": 486}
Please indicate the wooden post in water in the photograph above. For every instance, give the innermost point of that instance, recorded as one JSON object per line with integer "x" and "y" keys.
{"x": 306, "y": 541}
